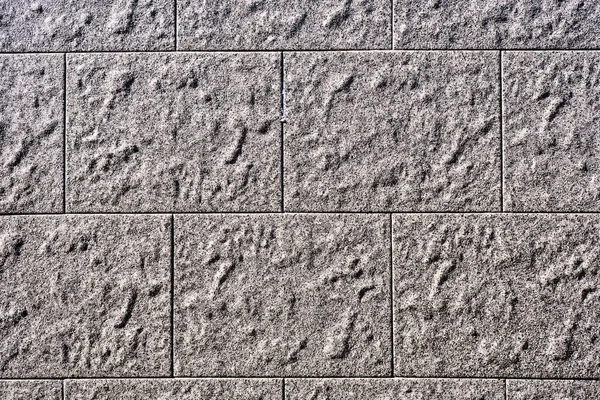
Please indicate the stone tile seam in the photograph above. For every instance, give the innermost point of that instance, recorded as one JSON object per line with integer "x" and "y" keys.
{"x": 175, "y": 23}
{"x": 501, "y": 120}
{"x": 391, "y": 283}
{"x": 274, "y": 213}
{"x": 172, "y": 296}
{"x": 340, "y": 50}
{"x": 64, "y": 133}
{"x": 258, "y": 378}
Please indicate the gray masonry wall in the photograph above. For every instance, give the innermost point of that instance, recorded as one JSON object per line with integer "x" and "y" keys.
{"x": 299, "y": 200}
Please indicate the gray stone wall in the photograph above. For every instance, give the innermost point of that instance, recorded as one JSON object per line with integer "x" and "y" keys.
{"x": 299, "y": 199}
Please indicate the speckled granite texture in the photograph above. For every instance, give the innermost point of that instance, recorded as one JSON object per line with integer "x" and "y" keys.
{"x": 299, "y": 199}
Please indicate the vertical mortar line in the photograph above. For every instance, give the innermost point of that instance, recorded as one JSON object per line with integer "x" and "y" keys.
{"x": 175, "y": 21}
{"x": 64, "y": 133}
{"x": 62, "y": 389}
{"x": 283, "y": 389}
{"x": 172, "y": 354}
{"x": 501, "y": 137}
{"x": 505, "y": 390}
{"x": 282, "y": 121}
{"x": 391, "y": 285}
{"x": 392, "y": 17}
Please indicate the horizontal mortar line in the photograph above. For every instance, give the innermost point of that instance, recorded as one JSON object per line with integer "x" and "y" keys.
{"x": 288, "y": 212}
{"x": 184, "y": 377}
{"x": 208, "y": 51}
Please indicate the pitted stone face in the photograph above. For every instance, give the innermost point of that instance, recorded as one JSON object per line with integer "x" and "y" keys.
{"x": 284, "y": 24}
{"x": 290, "y": 295}
{"x": 84, "y": 296}
{"x": 501, "y": 24}
{"x": 31, "y": 133}
{"x": 86, "y": 25}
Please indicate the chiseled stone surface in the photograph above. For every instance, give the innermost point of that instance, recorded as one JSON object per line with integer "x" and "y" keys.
{"x": 173, "y": 132}
{"x": 30, "y": 390}
{"x": 397, "y": 389}
{"x": 552, "y": 390}
{"x": 497, "y": 295}
{"x": 86, "y": 25}
{"x": 283, "y": 24}
{"x": 84, "y": 296}
{"x": 523, "y": 24}
{"x": 31, "y": 133}
{"x": 173, "y": 389}
{"x": 398, "y": 131}
{"x": 552, "y": 150}
{"x": 280, "y": 295}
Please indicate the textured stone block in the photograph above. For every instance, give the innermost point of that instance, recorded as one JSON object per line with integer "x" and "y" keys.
{"x": 483, "y": 24}
{"x": 552, "y": 390}
{"x": 182, "y": 132}
{"x": 86, "y": 25}
{"x": 405, "y": 389}
{"x": 31, "y": 133}
{"x": 84, "y": 296}
{"x": 497, "y": 295}
{"x": 30, "y": 390}
{"x": 392, "y": 131}
{"x": 551, "y": 108}
{"x": 174, "y": 389}
{"x": 283, "y": 24}
{"x": 277, "y": 295}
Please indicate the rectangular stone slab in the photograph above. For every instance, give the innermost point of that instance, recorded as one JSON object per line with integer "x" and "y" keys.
{"x": 283, "y": 24}
{"x": 500, "y": 24}
{"x": 497, "y": 295}
{"x": 518, "y": 389}
{"x": 84, "y": 296}
{"x": 405, "y": 389}
{"x": 282, "y": 295}
{"x": 87, "y": 25}
{"x": 31, "y": 390}
{"x": 31, "y": 133}
{"x": 392, "y": 131}
{"x": 551, "y": 125}
{"x": 173, "y": 389}
{"x": 173, "y": 132}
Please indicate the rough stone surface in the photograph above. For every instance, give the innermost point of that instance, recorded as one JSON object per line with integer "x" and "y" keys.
{"x": 497, "y": 295}
{"x": 174, "y": 389}
{"x": 501, "y": 24}
{"x": 552, "y": 147}
{"x": 397, "y": 389}
{"x": 392, "y": 131}
{"x": 84, "y": 296}
{"x": 30, "y": 390}
{"x": 86, "y": 25}
{"x": 552, "y": 390}
{"x": 31, "y": 133}
{"x": 165, "y": 132}
{"x": 280, "y": 295}
{"x": 284, "y": 24}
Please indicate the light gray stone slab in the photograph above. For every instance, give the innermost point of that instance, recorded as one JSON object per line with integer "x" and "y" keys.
{"x": 283, "y": 24}
{"x": 497, "y": 295}
{"x": 397, "y": 389}
{"x": 86, "y": 25}
{"x": 551, "y": 125}
{"x": 30, "y": 390}
{"x": 173, "y": 389}
{"x": 84, "y": 296}
{"x": 552, "y": 390}
{"x": 31, "y": 133}
{"x": 399, "y": 131}
{"x": 173, "y": 132}
{"x": 281, "y": 295}
{"x": 483, "y": 24}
